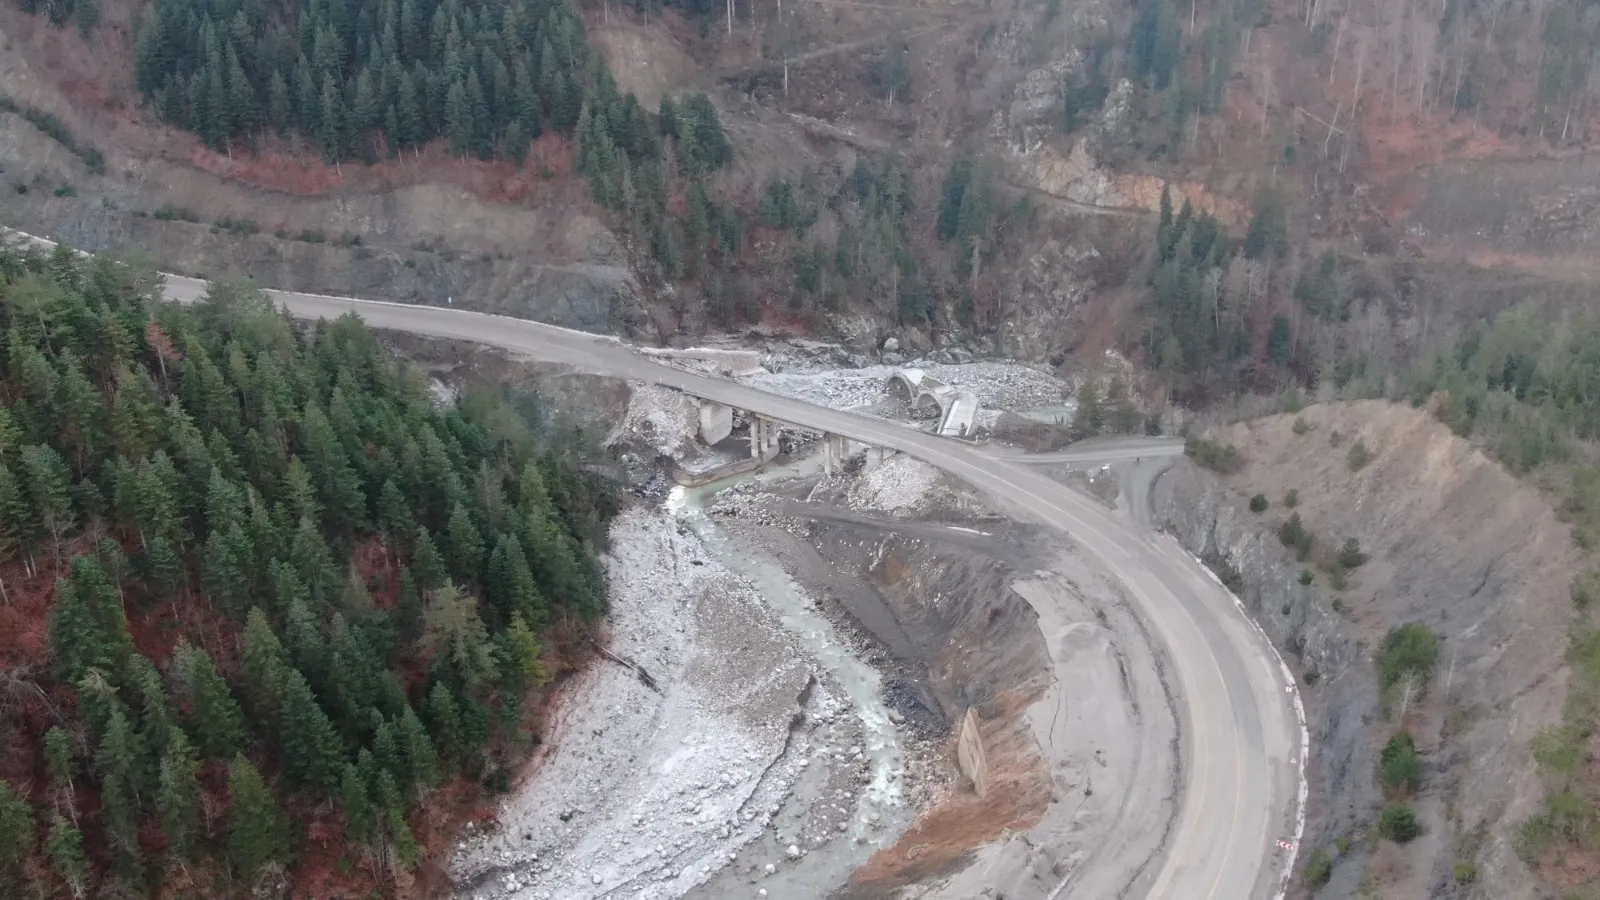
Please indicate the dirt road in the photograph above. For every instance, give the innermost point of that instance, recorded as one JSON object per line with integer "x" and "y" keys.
{"x": 1241, "y": 734}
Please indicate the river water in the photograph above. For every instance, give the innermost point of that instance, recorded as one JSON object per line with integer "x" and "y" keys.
{"x": 881, "y": 812}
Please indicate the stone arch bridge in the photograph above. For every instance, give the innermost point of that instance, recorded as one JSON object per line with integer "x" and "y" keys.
{"x": 922, "y": 392}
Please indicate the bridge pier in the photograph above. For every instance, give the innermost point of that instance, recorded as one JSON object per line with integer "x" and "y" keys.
{"x": 763, "y": 437}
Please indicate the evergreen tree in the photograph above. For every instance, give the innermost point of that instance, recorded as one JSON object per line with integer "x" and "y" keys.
{"x": 409, "y": 607}
{"x": 394, "y": 514}
{"x": 526, "y": 653}
{"x": 242, "y": 114}
{"x": 312, "y": 752}
{"x": 265, "y": 664}
{"x": 178, "y": 795}
{"x": 313, "y": 563}
{"x": 75, "y": 644}
{"x": 359, "y": 818}
{"x": 280, "y": 109}
{"x": 59, "y": 761}
{"x": 445, "y": 719}
{"x": 217, "y": 721}
{"x": 516, "y": 141}
{"x": 392, "y": 805}
{"x": 13, "y": 516}
{"x": 421, "y": 759}
{"x": 17, "y": 833}
{"x": 119, "y": 761}
{"x": 163, "y": 566}
{"x": 67, "y": 858}
{"x": 337, "y": 485}
{"x": 156, "y": 715}
{"x": 224, "y": 571}
{"x": 258, "y": 831}
{"x": 48, "y": 486}
{"x": 427, "y": 568}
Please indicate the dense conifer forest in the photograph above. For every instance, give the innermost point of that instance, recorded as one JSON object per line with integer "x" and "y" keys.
{"x": 490, "y": 76}
{"x": 260, "y": 593}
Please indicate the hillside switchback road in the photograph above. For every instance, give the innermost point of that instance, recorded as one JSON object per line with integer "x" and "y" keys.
{"x": 1242, "y": 732}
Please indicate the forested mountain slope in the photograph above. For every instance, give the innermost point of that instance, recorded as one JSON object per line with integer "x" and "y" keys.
{"x": 266, "y": 610}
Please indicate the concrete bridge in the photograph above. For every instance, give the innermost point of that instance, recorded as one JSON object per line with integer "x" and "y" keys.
{"x": 716, "y": 426}
{"x": 957, "y": 411}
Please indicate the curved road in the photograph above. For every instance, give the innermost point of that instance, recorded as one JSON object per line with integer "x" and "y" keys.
{"x": 1241, "y": 736}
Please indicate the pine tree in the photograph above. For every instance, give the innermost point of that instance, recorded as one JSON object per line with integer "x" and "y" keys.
{"x": 308, "y": 552}
{"x": 258, "y": 831}
{"x": 67, "y": 858}
{"x": 427, "y": 568}
{"x": 81, "y": 407}
{"x": 17, "y": 833}
{"x": 387, "y": 753}
{"x": 156, "y": 715}
{"x": 265, "y": 664}
{"x": 312, "y": 751}
{"x": 302, "y": 635}
{"x": 668, "y": 117}
{"x": 48, "y": 487}
{"x": 217, "y": 721}
{"x": 119, "y": 761}
{"x": 445, "y": 719}
{"x": 13, "y": 514}
{"x": 299, "y": 492}
{"x": 517, "y": 141}
{"x": 242, "y": 113}
{"x": 333, "y": 123}
{"x": 337, "y": 485}
{"x": 394, "y": 514}
{"x": 422, "y": 759}
{"x": 163, "y": 566}
{"x": 526, "y": 652}
{"x": 408, "y": 607}
{"x": 280, "y": 109}
{"x": 465, "y": 546}
{"x": 59, "y": 761}
{"x": 408, "y": 113}
{"x": 75, "y": 643}
{"x": 458, "y": 118}
{"x": 178, "y": 794}
{"x": 358, "y": 813}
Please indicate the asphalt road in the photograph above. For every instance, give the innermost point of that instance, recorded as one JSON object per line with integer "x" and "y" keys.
{"x": 1094, "y": 451}
{"x": 1241, "y": 739}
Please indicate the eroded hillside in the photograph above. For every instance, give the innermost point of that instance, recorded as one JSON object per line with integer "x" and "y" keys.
{"x": 1444, "y": 540}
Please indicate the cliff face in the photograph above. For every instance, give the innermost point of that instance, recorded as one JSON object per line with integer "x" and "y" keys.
{"x": 1455, "y": 543}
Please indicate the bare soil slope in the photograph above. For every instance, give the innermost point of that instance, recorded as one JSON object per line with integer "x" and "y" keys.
{"x": 1456, "y": 543}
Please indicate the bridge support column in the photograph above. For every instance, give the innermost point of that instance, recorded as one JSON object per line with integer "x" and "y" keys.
{"x": 827, "y": 454}
{"x": 756, "y": 425}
